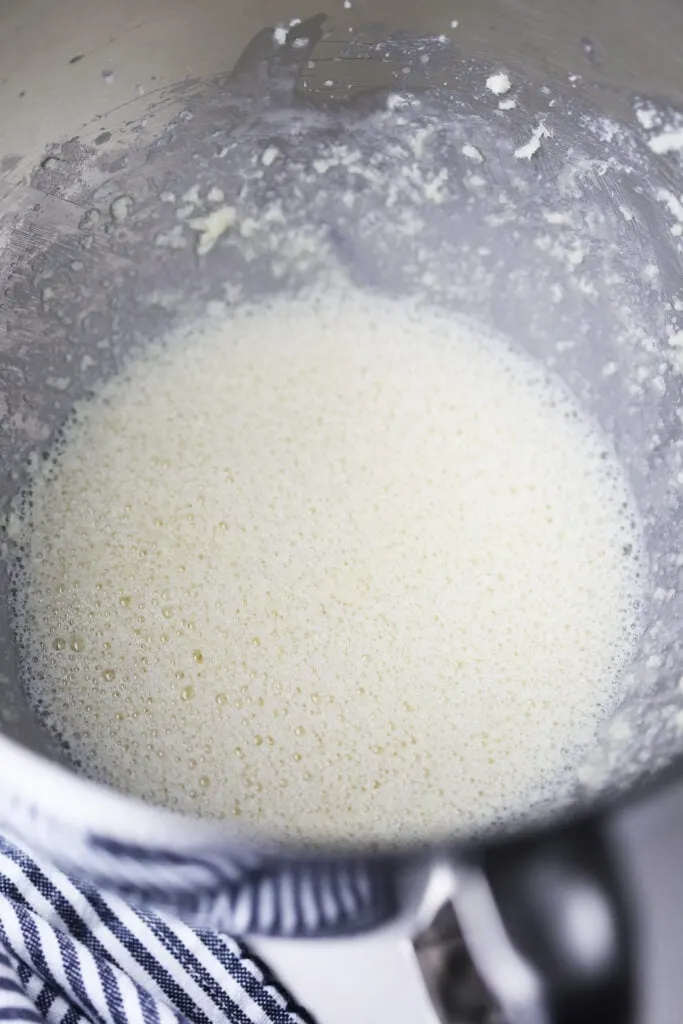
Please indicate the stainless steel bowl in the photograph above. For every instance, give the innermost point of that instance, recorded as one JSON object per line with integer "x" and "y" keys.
{"x": 566, "y": 236}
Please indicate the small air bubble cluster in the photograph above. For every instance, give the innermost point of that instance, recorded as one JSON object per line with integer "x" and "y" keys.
{"x": 335, "y": 567}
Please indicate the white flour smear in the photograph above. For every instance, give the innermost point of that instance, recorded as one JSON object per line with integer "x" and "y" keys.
{"x": 334, "y": 567}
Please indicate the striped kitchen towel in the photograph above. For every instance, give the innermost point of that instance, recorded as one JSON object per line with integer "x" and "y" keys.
{"x": 70, "y": 955}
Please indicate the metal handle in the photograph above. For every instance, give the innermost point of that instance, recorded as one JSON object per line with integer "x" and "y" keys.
{"x": 646, "y": 835}
{"x": 579, "y": 924}
{"x": 546, "y": 923}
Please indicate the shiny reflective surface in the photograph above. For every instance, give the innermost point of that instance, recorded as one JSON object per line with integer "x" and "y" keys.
{"x": 78, "y": 289}
{"x": 561, "y": 224}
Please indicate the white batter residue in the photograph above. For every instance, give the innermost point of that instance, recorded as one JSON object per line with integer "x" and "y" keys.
{"x": 498, "y": 83}
{"x": 335, "y": 567}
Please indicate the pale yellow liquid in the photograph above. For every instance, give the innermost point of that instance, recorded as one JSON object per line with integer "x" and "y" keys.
{"x": 332, "y": 569}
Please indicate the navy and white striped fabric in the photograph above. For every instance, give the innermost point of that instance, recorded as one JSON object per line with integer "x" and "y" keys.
{"x": 70, "y": 954}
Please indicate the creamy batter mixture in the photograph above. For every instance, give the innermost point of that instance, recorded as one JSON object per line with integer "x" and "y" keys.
{"x": 331, "y": 567}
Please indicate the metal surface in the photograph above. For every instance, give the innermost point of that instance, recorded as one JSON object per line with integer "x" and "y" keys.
{"x": 573, "y": 246}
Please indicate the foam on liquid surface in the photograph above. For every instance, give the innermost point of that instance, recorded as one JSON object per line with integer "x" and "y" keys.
{"x": 329, "y": 569}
